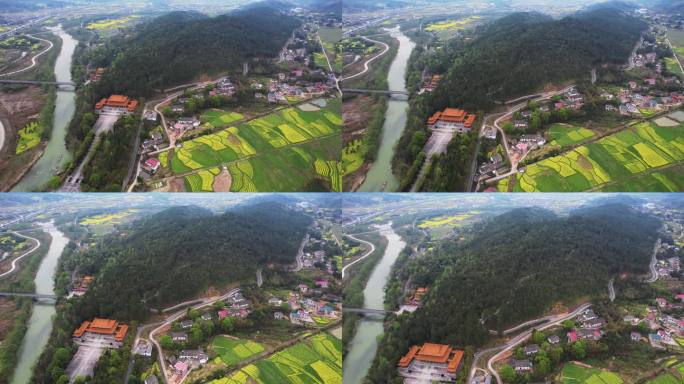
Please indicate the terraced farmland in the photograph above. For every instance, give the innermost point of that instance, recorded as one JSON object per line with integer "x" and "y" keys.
{"x": 575, "y": 374}
{"x": 218, "y": 118}
{"x": 232, "y": 351}
{"x": 318, "y": 360}
{"x": 565, "y": 135}
{"x": 283, "y": 151}
{"x": 615, "y": 160}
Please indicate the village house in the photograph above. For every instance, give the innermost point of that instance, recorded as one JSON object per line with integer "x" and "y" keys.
{"x": 274, "y": 301}
{"x": 186, "y": 324}
{"x": 152, "y": 379}
{"x": 178, "y": 337}
{"x": 553, "y": 339}
{"x": 279, "y": 316}
{"x": 151, "y": 165}
{"x": 452, "y": 119}
{"x": 531, "y": 350}
{"x": 143, "y": 349}
{"x": 521, "y": 366}
{"x": 534, "y": 139}
{"x": 193, "y": 355}
{"x": 490, "y": 133}
{"x": 635, "y": 336}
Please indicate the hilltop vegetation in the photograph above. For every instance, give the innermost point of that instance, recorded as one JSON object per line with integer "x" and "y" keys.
{"x": 516, "y": 55}
{"x": 177, "y": 253}
{"x": 179, "y": 47}
{"x": 515, "y": 266}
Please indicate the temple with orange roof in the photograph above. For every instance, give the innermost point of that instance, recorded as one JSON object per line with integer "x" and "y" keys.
{"x": 440, "y": 362}
{"x": 116, "y": 103}
{"x": 453, "y": 119}
{"x": 106, "y": 330}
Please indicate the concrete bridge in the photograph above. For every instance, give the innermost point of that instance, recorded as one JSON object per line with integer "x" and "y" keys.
{"x": 32, "y": 295}
{"x": 38, "y": 82}
{"x": 366, "y": 311}
{"x": 376, "y": 92}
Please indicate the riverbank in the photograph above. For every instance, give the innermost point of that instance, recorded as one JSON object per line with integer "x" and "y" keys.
{"x": 353, "y": 291}
{"x": 40, "y": 322}
{"x": 364, "y": 344}
{"x": 19, "y": 310}
{"x": 380, "y": 176}
{"x": 56, "y": 154}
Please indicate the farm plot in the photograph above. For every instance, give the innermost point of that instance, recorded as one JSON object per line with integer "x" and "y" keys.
{"x": 29, "y": 137}
{"x": 233, "y": 351}
{"x": 317, "y": 360}
{"x": 564, "y": 135}
{"x": 202, "y": 181}
{"x": 575, "y": 374}
{"x": 280, "y": 129}
{"x": 218, "y": 118}
{"x": 624, "y": 155}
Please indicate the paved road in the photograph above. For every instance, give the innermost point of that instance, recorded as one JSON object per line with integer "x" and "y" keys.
{"x": 205, "y": 303}
{"x": 16, "y": 260}
{"x": 611, "y": 290}
{"x": 513, "y": 343}
{"x": 330, "y": 67}
{"x": 675, "y": 54}
{"x": 366, "y": 65}
{"x": 654, "y": 261}
{"x": 104, "y": 123}
{"x": 260, "y": 279}
{"x": 372, "y": 249}
{"x": 34, "y": 60}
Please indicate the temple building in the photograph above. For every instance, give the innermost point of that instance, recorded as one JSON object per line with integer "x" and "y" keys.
{"x": 106, "y": 332}
{"x": 452, "y": 119}
{"x": 430, "y": 363}
{"x": 116, "y": 103}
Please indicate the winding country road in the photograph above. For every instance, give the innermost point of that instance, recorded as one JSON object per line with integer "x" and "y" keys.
{"x": 34, "y": 60}
{"x": 366, "y": 65}
{"x": 611, "y": 289}
{"x": 654, "y": 261}
{"x": 16, "y": 260}
{"x": 372, "y": 249}
{"x": 160, "y": 355}
{"x": 513, "y": 343}
{"x": 300, "y": 254}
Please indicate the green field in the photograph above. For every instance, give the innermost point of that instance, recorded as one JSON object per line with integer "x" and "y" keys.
{"x": 29, "y": 137}
{"x": 673, "y": 66}
{"x": 575, "y": 374}
{"x": 232, "y": 351}
{"x": 218, "y": 118}
{"x": 353, "y": 156}
{"x": 615, "y": 159}
{"x": 564, "y": 135}
{"x": 283, "y": 151}
{"x": 318, "y": 360}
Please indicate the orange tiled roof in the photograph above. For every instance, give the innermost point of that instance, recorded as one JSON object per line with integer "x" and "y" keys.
{"x": 455, "y": 361}
{"x": 132, "y": 105}
{"x": 103, "y": 326}
{"x": 436, "y": 353}
{"x": 470, "y": 120}
{"x": 82, "y": 329}
{"x": 434, "y": 118}
{"x": 100, "y": 104}
{"x": 406, "y": 360}
{"x": 121, "y": 332}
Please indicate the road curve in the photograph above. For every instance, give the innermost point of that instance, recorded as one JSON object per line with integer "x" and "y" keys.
{"x": 654, "y": 261}
{"x": 372, "y": 249}
{"x": 34, "y": 61}
{"x": 523, "y": 336}
{"x": 205, "y": 302}
{"x": 366, "y": 65}
{"x": 16, "y": 260}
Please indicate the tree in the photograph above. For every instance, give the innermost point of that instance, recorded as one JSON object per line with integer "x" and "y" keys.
{"x": 166, "y": 342}
{"x": 227, "y": 325}
{"x": 543, "y": 366}
{"x": 579, "y": 350}
{"x": 507, "y": 374}
{"x": 193, "y": 314}
{"x": 538, "y": 337}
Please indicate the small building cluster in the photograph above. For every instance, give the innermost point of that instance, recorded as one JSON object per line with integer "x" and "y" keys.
{"x": 414, "y": 301}
{"x": 430, "y": 83}
{"x": 590, "y": 327}
{"x": 431, "y": 363}
{"x": 81, "y": 285}
{"x": 96, "y": 75}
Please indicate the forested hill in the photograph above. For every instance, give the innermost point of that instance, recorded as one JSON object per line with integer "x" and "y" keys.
{"x": 178, "y": 253}
{"x": 178, "y": 47}
{"x": 515, "y": 267}
{"x": 520, "y": 53}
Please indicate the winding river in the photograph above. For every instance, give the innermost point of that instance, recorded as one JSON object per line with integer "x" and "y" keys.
{"x": 40, "y": 323}
{"x": 364, "y": 345}
{"x": 380, "y": 176}
{"x": 56, "y": 153}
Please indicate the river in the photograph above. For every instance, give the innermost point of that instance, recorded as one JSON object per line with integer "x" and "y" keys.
{"x": 56, "y": 153}
{"x": 40, "y": 323}
{"x": 380, "y": 176}
{"x": 365, "y": 342}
